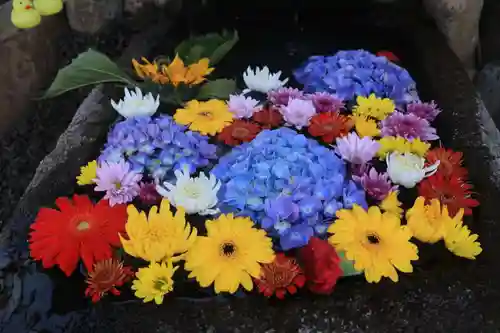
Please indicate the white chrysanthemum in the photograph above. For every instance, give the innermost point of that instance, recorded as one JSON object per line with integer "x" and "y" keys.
{"x": 134, "y": 104}
{"x": 408, "y": 169}
{"x": 262, "y": 80}
{"x": 196, "y": 195}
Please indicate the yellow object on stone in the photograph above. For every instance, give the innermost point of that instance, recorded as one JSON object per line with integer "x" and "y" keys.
{"x": 24, "y": 15}
{"x": 48, "y": 7}
{"x": 87, "y": 174}
{"x": 208, "y": 118}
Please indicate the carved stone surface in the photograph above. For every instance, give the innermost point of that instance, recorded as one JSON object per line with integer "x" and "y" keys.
{"x": 90, "y": 16}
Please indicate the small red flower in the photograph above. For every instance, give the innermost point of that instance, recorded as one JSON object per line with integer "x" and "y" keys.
{"x": 105, "y": 277}
{"x": 77, "y": 230}
{"x": 321, "y": 265}
{"x": 450, "y": 162}
{"x": 450, "y": 191}
{"x": 279, "y": 277}
{"x": 148, "y": 194}
{"x": 238, "y": 132}
{"x": 268, "y": 117}
{"x": 329, "y": 126}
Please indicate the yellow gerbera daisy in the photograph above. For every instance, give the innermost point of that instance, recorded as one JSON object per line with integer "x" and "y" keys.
{"x": 377, "y": 243}
{"x": 154, "y": 282}
{"x": 149, "y": 70}
{"x": 391, "y": 204}
{"x": 374, "y": 107}
{"x": 205, "y": 117}
{"x": 365, "y": 126}
{"x": 230, "y": 255}
{"x": 459, "y": 240}
{"x": 87, "y": 174}
{"x": 161, "y": 236}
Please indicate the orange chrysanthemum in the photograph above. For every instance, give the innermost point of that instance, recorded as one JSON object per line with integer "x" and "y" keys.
{"x": 329, "y": 126}
{"x": 105, "y": 277}
{"x": 450, "y": 162}
{"x": 279, "y": 277}
{"x": 77, "y": 230}
{"x": 238, "y": 132}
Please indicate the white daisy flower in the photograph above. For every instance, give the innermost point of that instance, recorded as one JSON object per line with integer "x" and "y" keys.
{"x": 134, "y": 104}
{"x": 262, "y": 80}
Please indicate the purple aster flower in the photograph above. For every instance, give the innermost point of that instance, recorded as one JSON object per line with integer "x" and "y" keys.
{"x": 118, "y": 181}
{"x": 408, "y": 126}
{"x": 148, "y": 194}
{"x": 356, "y": 150}
{"x": 282, "y": 96}
{"x": 298, "y": 112}
{"x": 325, "y": 102}
{"x": 427, "y": 111}
{"x": 377, "y": 185}
{"x": 241, "y": 106}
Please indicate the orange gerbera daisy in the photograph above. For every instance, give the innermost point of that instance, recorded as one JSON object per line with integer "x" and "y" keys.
{"x": 105, "y": 277}
{"x": 77, "y": 230}
{"x": 450, "y": 162}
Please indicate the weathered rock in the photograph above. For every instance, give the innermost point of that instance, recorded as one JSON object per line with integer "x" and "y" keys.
{"x": 30, "y": 58}
{"x": 458, "y": 20}
{"x": 91, "y": 16}
{"x": 134, "y": 6}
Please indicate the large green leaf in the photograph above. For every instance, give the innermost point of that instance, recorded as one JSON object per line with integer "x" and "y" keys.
{"x": 221, "y": 89}
{"x": 347, "y": 265}
{"x": 89, "y": 68}
{"x": 213, "y": 46}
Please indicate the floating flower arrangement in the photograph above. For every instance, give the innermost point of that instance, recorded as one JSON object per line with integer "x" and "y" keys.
{"x": 271, "y": 190}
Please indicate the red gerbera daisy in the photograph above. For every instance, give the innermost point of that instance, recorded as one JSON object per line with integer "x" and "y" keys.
{"x": 450, "y": 191}
{"x": 268, "y": 117}
{"x": 450, "y": 164}
{"x": 105, "y": 277}
{"x": 238, "y": 132}
{"x": 329, "y": 126}
{"x": 279, "y": 277}
{"x": 77, "y": 230}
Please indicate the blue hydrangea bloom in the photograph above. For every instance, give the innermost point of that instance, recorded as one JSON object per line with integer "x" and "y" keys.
{"x": 157, "y": 146}
{"x": 288, "y": 184}
{"x": 357, "y": 73}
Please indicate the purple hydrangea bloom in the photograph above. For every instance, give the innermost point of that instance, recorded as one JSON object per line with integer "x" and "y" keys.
{"x": 325, "y": 102}
{"x": 298, "y": 112}
{"x": 241, "y": 106}
{"x": 427, "y": 111}
{"x": 356, "y": 150}
{"x": 348, "y": 74}
{"x": 157, "y": 146}
{"x": 377, "y": 185}
{"x": 408, "y": 126}
{"x": 119, "y": 182}
{"x": 282, "y": 96}
{"x": 290, "y": 185}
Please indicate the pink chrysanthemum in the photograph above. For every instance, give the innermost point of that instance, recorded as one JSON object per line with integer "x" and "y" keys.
{"x": 427, "y": 111}
{"x": 148, "y": 194}
{"x": 356, "y": 150}
{"x": 241, "y": 106}
{"x": 325, "y": 102}
{"x": 282, "y": 96}
{"x": 118, "y": 181}
{"x": 298, "y": 112}
{"x": 377, "y": 185}
{"x": 408, "y": 126}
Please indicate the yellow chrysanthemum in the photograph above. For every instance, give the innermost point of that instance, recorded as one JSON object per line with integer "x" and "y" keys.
{"x": 205, "y": 117}
{"x": 154, "y": 282}
{"x": 87, "y": 174}
{"x": 365, "y": 126}
{"x": 389, "y": 144}
{"x": 428, "y": 222}
{"x": 161, "y": 236}
{"x": 374, "y": 107}
{"x": 459, "y": 240}
{"x": 149, "y": 70}
{"x": 377, "y": 243}
{"x": 195, "y": 73}
{"x": 391, "y": 204}
{"x": 230, "y": 255}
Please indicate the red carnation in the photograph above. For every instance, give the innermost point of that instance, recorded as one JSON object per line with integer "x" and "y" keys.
{"x": 238, "y": 132}
{"x": 450, "y": 162}
{"x": 329, "y": 126}
{"x": 77, "y": 230}
{"x": 279, "y": 277}
{"x": 450, "y": 191}
{"x": 321, "y": 265}
{"x": 105, "y": 277}
{"x": 268, "y": 117}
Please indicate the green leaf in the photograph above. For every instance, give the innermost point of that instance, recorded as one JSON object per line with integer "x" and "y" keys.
{"x": 221, "y": 88}
{"x": 89, "y": 68}
{"x": 213, "y": 46}
{"x": 347, "y": 265}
